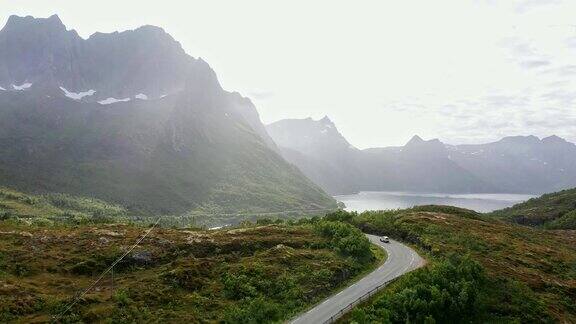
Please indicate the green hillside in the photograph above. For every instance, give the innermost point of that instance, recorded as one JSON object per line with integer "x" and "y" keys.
{"x": 58, "y": 209}
{"x": 190, "y": 152}
{"x": 480, "y": 270}
{"x": 552, "y": 211}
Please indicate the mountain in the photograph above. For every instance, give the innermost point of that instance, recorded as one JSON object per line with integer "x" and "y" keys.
{"x": 131, "y": 118}
{"x": 320, "y": 151}
{"x": 421, "y": 166}
{"x": 326, "y": 157}
{"x": 521, "y": 163}
{"x": 553, "y": 211}
{"x": 517, "y": 164}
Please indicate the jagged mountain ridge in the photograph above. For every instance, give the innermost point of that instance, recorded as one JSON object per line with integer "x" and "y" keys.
{"x": 114, "y": 65}
{"x": 131, "y": 118}
{"x": 520, "y": 164}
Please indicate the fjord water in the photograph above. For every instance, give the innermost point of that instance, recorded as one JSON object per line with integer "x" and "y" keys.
{"x": 382, "y": 200}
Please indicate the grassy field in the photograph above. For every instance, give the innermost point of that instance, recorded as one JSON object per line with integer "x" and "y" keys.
{"x": 243, "y": 275}
{"x": 505, "y": 272}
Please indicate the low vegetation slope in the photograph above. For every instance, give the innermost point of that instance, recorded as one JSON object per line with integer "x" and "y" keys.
{"x": 60, "y": 208}
{"x": 480, "y": 270}
{"x": 256, "y": 274}
{"x": 51, "y": 208}
{"x": 553, "y": 211}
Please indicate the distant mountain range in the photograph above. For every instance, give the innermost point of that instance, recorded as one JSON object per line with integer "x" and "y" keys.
{"x": 131, "y": 118}
{"x": 520, "y": 164}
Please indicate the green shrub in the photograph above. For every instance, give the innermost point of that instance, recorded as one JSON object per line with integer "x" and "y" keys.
{"x": 254, "y": 311}
{"x": 345, "y": 238}
{"x": 121, "y": 297}
{"x": 341, "y": 216}
{"x": 238, "y": 286}
{"x": 444, "y": 293}
{"x": 566, "y": 221}
{"x": 41, "y": 221}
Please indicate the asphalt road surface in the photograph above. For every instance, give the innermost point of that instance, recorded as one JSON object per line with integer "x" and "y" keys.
{"x": 401, "y": 259}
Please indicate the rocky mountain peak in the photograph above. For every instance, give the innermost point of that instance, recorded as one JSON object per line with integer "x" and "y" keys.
{"x": 308, "y": 135}
{"x": 415, "y": 140}
{"x": 419, "y": 148}
{"x": 326, "y": 120}
{"x": 115, "y": 67}
{"x": 554, "y": 139}
{"x": 49, "y": 25}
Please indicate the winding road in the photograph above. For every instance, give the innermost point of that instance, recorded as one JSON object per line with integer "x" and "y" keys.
{"x": 401, "y": 259}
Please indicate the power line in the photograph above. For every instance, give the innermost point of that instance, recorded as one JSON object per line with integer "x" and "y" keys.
{"x": 75, "y": 301}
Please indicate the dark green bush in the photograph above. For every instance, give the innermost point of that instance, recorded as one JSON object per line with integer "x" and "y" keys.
{"x": 345, "y": 238}
{"x": 444, "y": 293}
{"x": 238, "y": 286}
{"x": 258, "y": 310}
{"x": 341, "y": 216}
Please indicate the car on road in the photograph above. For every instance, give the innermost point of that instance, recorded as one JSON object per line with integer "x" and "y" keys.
{"x": 385, "y": 239}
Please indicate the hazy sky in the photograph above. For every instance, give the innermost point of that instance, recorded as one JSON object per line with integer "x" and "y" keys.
{"x": 462, "y": 71}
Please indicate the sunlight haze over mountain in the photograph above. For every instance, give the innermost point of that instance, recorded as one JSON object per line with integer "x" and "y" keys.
{"x": 461, "y": 71}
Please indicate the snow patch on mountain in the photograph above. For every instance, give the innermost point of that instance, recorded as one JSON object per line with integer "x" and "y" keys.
{"x": 141, "y": 96}
{"x": 77, "y": 95}
{"x": 2, "y": 89}
{"x": 22, "y": 87}
{"x": 111, "y": 100}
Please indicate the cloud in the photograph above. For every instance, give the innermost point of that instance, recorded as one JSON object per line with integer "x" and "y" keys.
{"x": 532, "y": 64}
{"x": 524, "y": 6}
{"x": 523, "y": 112}
{"x": 564, "y": 70}
{"x": 525, "y": 53}
{"x": 505, "y": 101}
{"x": 570, "y": 42}
{"x": 519, "y": 47}
{"x": 561, "y": 98}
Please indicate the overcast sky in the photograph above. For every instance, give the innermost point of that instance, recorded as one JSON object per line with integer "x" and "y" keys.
{"x": 462, "y": 71}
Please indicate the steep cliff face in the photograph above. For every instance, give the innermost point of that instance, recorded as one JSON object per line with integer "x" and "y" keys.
{"x": 145, "y": 61}
{"x": 130, "y": 117}
{"x": 320, "y": 151}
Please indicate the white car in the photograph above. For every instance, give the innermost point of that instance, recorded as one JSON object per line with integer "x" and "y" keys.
{"x": 385, "y": 239}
